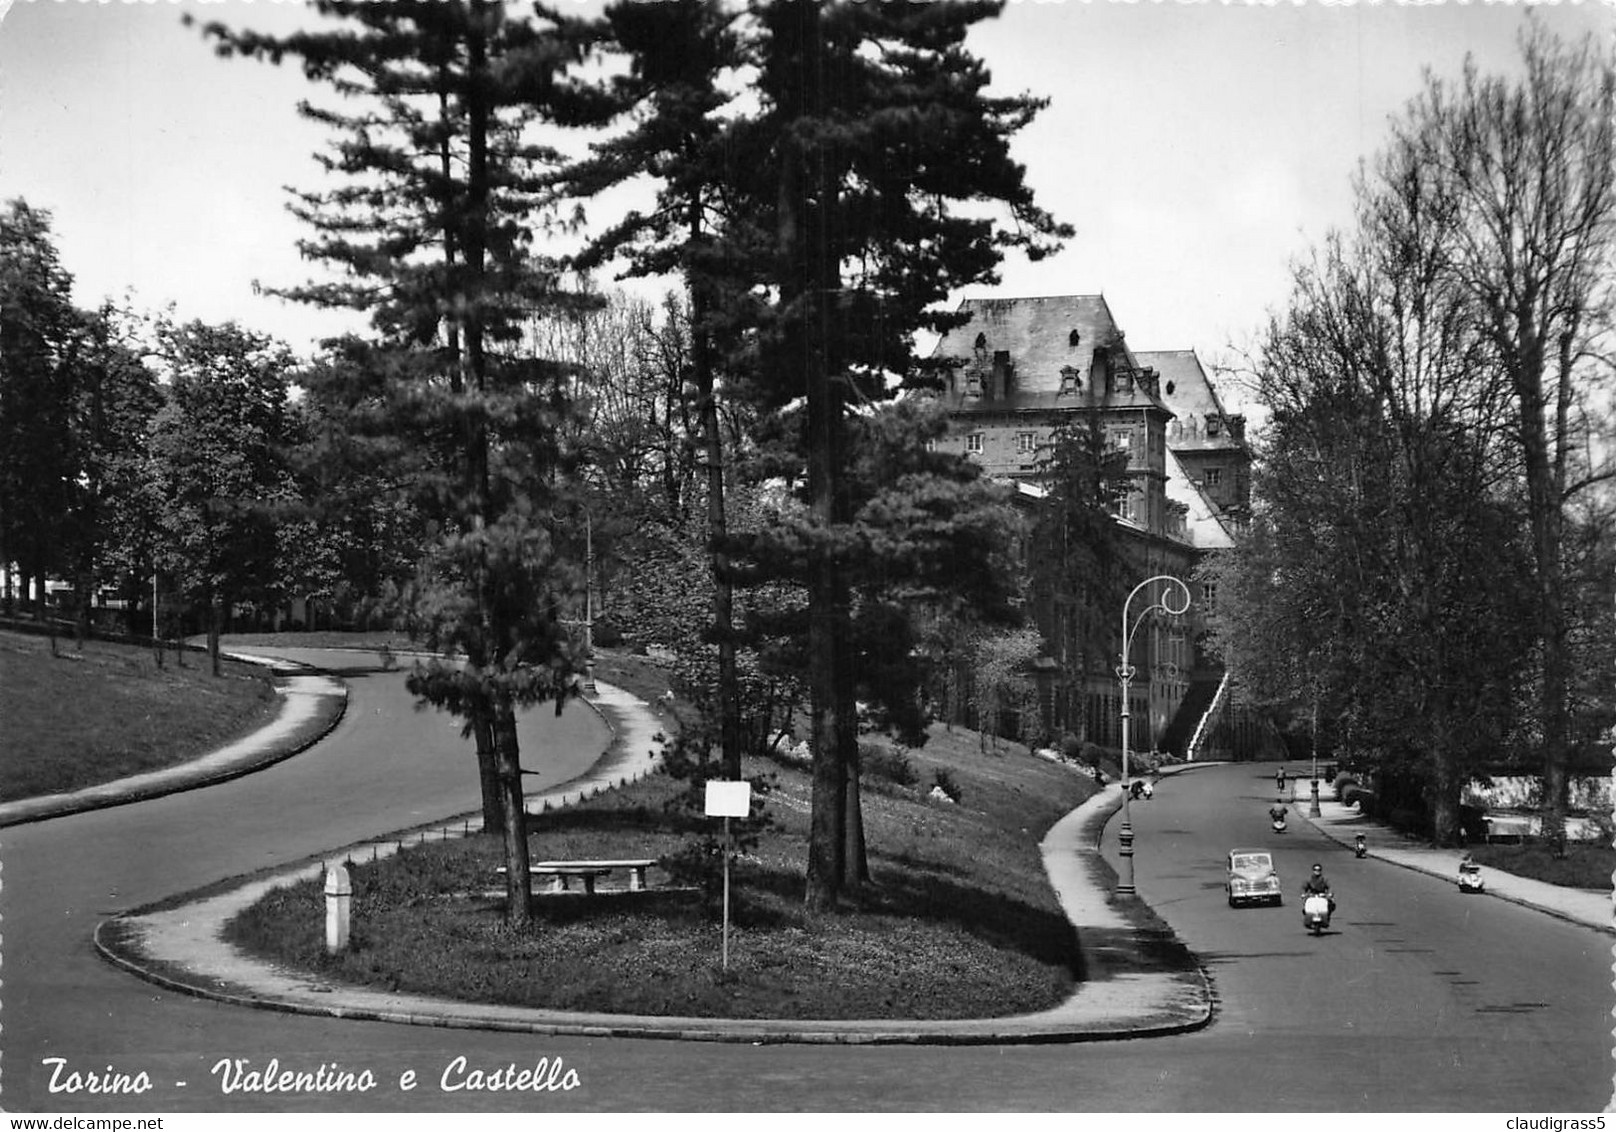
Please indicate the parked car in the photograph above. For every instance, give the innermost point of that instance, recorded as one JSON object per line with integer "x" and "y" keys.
{"x": 1251, "y": 877}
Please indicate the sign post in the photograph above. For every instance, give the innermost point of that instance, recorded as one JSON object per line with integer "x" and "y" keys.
{"x": 728, "y": 800}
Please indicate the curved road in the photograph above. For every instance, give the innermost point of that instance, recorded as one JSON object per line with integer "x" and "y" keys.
{"x": 1420, "y": 1000}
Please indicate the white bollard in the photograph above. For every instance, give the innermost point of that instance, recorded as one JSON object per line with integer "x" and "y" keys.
{"x": 338, "y": 898}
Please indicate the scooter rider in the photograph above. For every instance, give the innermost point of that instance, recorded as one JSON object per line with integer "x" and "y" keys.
{"x": 1316, "y": 885}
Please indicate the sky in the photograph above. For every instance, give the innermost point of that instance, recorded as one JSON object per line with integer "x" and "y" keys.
{"x": 1199, "y": 148}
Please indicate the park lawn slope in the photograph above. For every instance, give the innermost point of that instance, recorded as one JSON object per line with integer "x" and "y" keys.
{"x": 960, "y": 921}
{"x": 83, "y": 718}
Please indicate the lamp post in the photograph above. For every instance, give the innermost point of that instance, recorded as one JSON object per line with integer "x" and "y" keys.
{"x": 1125, "y": 672}
{"x": 1313, "y": 806}
{"x": 589, "y": 605}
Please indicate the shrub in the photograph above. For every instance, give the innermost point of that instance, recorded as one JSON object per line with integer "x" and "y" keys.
{"x": 945, "y": 782}
{"x": 1071, "y": 748}
{"x": 1367, "y": 802}
{"x": 888, "y": 764}
{"x": 1344, "y": 782}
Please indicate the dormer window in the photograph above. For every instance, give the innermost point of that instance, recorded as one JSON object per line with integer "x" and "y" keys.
{"x": 1214, "y": 424}
{"x": 1070, "y": 379}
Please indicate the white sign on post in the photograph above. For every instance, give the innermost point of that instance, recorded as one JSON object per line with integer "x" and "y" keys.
{"x": 729, "y": 799}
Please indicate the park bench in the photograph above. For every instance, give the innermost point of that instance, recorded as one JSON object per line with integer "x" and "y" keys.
{"x": 561, "y": 872}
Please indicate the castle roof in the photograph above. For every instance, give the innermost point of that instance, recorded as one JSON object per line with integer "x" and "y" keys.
{"x": 1060, "y": 346}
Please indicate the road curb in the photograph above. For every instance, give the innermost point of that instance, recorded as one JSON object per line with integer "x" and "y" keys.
{"x": 455, "y": 1015}
{"x": 328, "y": 712}
{"x": 1172, "y": 995}
{"x": 1149, "y": 932}
{"x": 1519, "y": 901}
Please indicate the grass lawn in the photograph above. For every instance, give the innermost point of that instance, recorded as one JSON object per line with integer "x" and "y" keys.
{"x": 960, "y": 921}
{"x": 1584, "y": 865}
{"x": 83, "y": 718}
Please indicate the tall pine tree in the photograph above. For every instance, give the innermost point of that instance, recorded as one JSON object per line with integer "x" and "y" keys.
{"x": 884, "y": 145}
{"x": 432, "y": 226}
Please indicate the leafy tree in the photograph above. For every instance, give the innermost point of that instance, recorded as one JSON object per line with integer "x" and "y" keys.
{"x": 1379, "y": 586}
{"x": 432, "y": 224}
{"x": 999, "y": 661}
{"x": 111, "y": 523}
{"x": 1078, "y": 561}
{"x": 360, "y": 529}
{"x": 39, "y": 333}
{"x": 219, "y": 446}
{"x": 1528, "y": 169}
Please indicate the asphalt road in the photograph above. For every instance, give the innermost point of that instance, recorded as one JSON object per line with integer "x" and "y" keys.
{"x": 1419, "y": 997}
{"x": 1419, "y": 1000}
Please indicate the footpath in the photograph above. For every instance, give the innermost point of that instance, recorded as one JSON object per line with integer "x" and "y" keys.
{"x": 1343, "y": 824}
{"x": 1138, "y": 980}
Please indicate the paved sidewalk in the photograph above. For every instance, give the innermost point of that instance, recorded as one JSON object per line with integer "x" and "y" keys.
{"x": 1136, "y": 986}
{"x": 1342, "y": 824}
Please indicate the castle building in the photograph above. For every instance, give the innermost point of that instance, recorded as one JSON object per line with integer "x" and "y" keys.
{"x": 1014, "y": 370}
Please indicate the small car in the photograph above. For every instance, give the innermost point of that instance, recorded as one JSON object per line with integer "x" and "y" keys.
{"x": 1251, "y": 877}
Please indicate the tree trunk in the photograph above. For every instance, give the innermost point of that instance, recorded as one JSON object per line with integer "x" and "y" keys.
{"x": 82, "y": 589}
{"x": 214, "y": 616}
{"x": 1545, "y": 486}
{"x": 482, "y": 730}
{"x": 1445, "y": 784}
{"x": 804, "y": 282}
{"x": 856, "y": 860}
{"x": 729, "y": 711}
{"x": 518, "y": 882}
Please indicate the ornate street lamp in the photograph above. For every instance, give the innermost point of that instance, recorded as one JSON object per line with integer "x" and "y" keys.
{"x": 589, "y": 604}
{"x": 1125, "y": 673}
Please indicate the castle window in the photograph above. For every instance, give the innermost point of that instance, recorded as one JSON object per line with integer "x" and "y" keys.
{"x": 1214, "y": 476}
{"x": 973, "y": 442}
{"x": 1074, "y": 337}
{"x": 1026, "y": 443}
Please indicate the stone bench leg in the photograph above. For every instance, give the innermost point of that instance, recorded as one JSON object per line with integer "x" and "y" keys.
{"x": 636, "y": 880}
{"x": 589, "y": 884}
{"x": 558, "y": 883}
